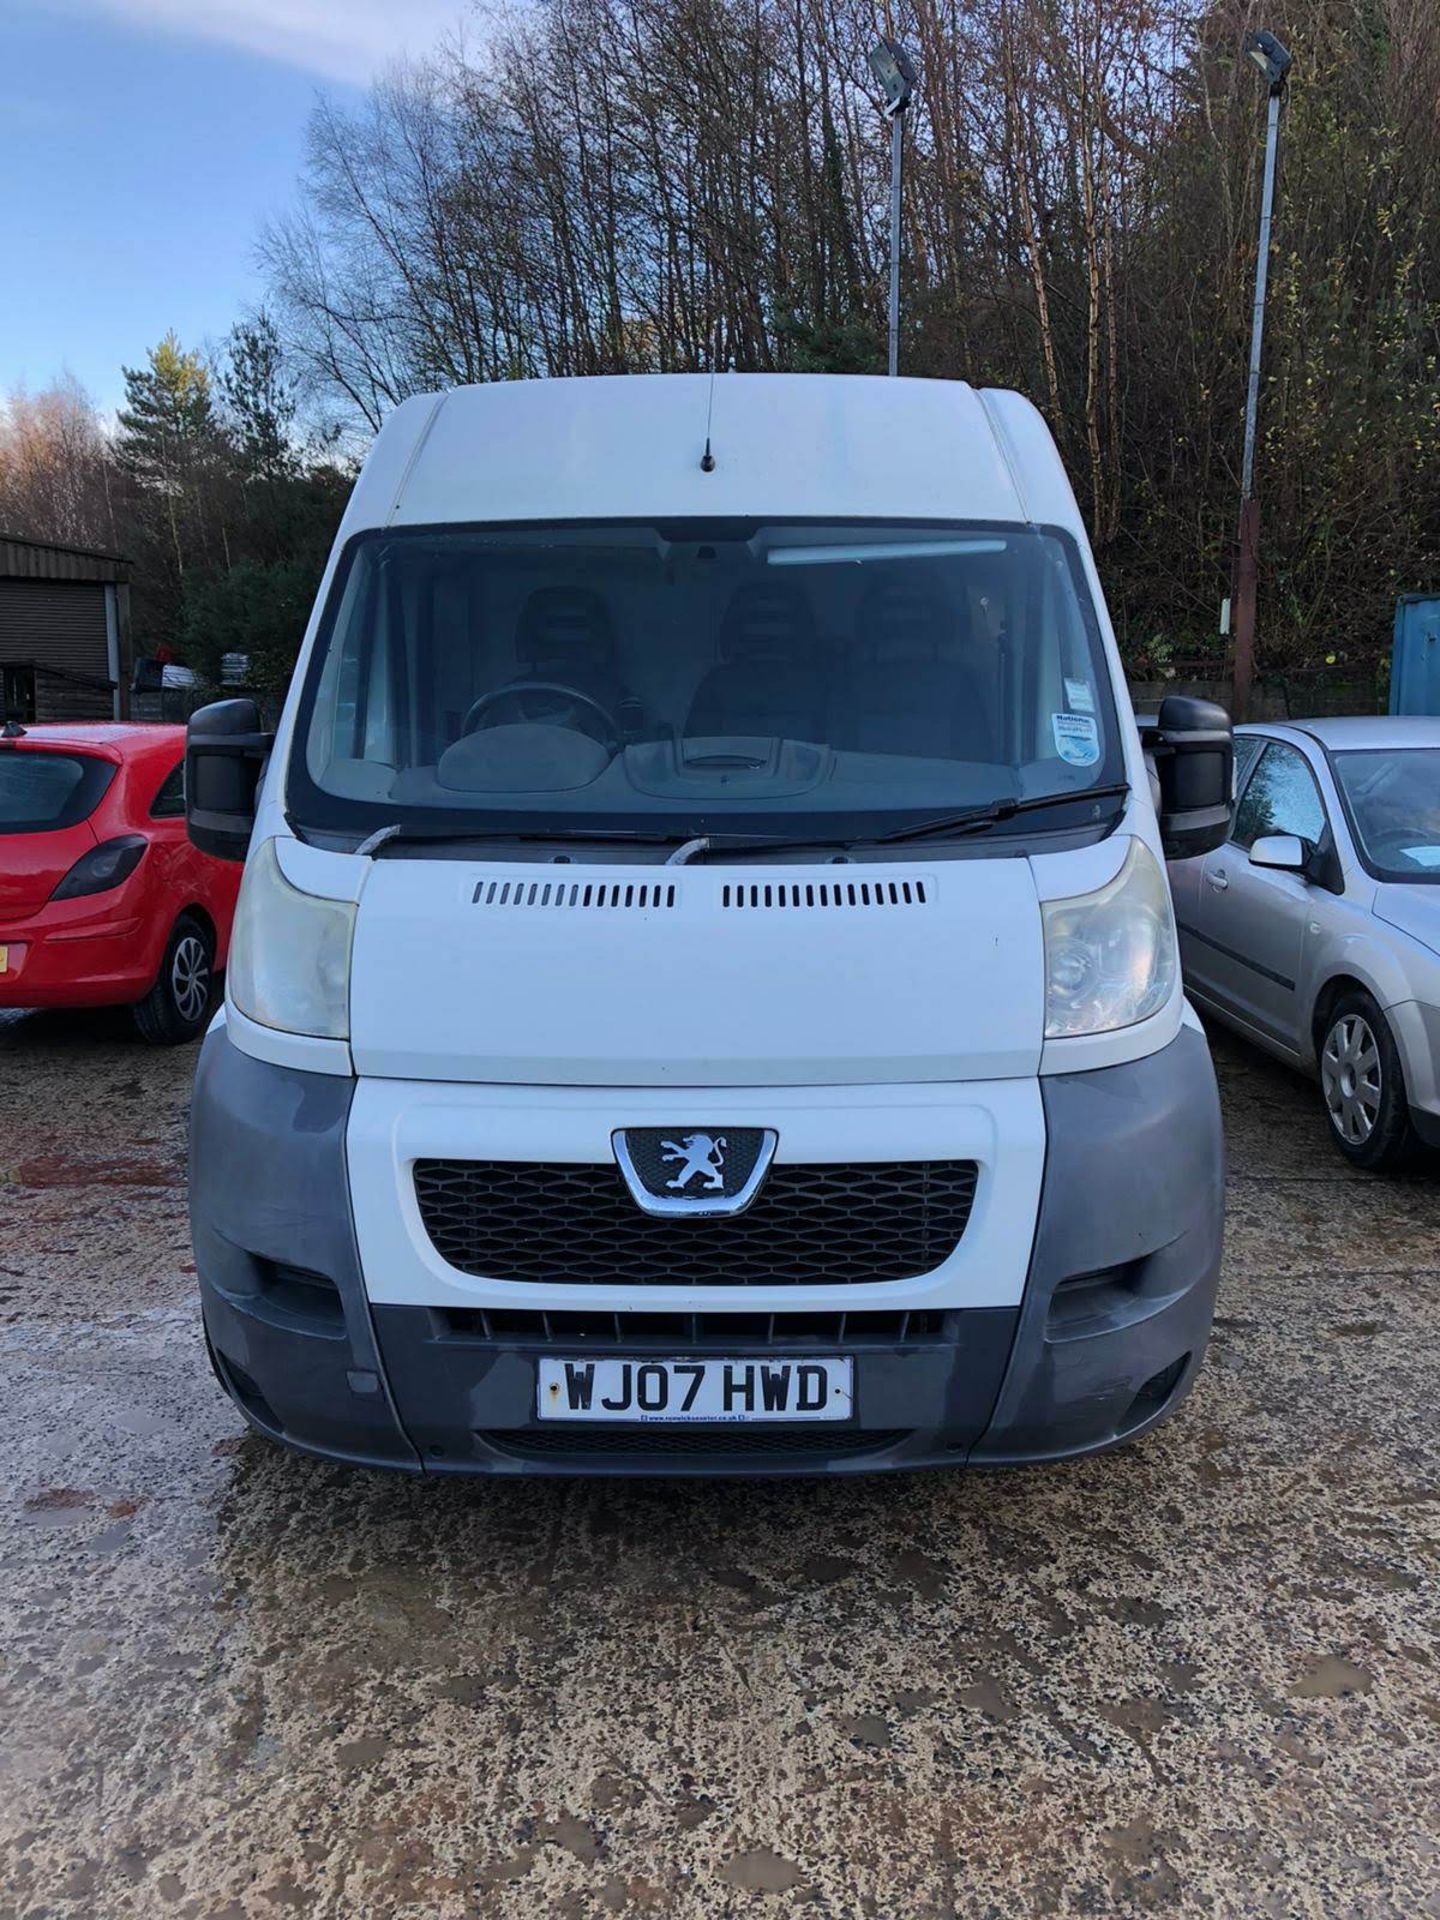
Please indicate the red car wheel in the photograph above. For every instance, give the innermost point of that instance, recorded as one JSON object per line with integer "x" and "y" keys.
{"x": 177, "y": 1007}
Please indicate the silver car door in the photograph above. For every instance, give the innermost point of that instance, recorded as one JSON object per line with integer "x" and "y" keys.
{"x": 1256, "y": 917}
{"x": 1193, "y": 897}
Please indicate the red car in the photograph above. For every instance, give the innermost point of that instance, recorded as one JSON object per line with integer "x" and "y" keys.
{"x": 103, "y": 900}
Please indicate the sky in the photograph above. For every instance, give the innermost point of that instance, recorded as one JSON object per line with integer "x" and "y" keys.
{"x": 143, "y": 145}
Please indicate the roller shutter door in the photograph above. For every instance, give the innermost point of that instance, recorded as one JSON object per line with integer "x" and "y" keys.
{"x": 60, "y": 626}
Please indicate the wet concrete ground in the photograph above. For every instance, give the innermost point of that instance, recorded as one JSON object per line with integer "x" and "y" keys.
{"x": 1199, "y": 1676}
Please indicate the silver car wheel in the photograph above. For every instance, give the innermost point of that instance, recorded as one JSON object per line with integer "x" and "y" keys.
{"x": 190, "y": 978}
{"x": 1350, "y": 1078}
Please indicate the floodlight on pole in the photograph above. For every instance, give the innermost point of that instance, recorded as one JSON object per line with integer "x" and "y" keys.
{"x": 897, "y": 77}
{"x": 1274, "y": 62}
{"x": 895, "y": 74}
{"x": 1273, "y": 59}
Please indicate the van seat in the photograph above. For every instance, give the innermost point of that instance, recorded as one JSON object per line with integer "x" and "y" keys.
{"x": 769, "y": 681}
{"x": 564, "y": 635}
{"x": 908, "y": 690}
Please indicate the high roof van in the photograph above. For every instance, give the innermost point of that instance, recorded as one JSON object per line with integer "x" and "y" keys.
{"x": 704, "y": 993}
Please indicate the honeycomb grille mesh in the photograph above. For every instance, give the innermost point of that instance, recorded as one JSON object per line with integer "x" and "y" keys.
{"x": 569, "y": 1224}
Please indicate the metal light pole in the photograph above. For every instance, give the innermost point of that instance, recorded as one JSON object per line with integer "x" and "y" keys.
{"x": 897, "y": 75}
{"x": 1274, "y": 62}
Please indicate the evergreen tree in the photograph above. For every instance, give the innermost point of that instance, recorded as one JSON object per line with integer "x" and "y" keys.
{"x": 168, "y": 420}
{"x": 168, "y": 442}
{"x": 259, "y": 401}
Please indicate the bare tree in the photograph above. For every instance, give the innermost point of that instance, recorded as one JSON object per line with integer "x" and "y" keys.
{"x": 631, "y": 185}
{"x": 57, "y": 479}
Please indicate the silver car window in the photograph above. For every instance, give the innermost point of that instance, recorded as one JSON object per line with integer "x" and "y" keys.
{"x": 1281, "y": 797}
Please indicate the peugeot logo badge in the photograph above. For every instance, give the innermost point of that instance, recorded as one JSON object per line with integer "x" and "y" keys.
{"x": 703, "y": 1172}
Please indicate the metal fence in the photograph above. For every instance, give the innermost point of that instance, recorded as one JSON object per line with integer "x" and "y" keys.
{"x": 33, "y": 690}
{"x": 1274, "y": 696}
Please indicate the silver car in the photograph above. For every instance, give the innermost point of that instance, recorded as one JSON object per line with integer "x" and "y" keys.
{"x": 1315, "y": 930}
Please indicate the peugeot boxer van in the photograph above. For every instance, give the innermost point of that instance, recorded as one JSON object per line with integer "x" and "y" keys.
{"x": 704, "y": 994}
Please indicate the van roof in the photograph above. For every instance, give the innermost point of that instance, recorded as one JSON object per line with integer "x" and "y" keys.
{"x": 816, "y": 446}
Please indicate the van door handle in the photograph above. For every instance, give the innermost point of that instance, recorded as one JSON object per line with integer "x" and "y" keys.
{"x": 1217, "y": 879}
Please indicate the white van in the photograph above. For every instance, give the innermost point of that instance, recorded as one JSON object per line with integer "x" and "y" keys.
{"x": 704, "y": 992}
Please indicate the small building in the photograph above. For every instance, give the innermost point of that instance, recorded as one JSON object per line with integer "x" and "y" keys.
{"x": 64, "y": 632}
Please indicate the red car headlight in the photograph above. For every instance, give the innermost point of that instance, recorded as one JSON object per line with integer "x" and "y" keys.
{"x": 103, "y": 867}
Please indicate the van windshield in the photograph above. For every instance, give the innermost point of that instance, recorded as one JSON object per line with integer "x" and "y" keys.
{"x": 786, "y": 678}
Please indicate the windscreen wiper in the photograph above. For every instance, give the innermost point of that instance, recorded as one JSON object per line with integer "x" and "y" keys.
{"x": 686, "y": 845}
{"x": 724, "y": 842}
{"x": 459, "y": 836}
{"x": 977, "y": 819}
{"x": 973, "y": 820}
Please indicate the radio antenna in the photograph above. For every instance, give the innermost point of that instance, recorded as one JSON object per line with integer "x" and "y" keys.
{"x": 707, "y": 459}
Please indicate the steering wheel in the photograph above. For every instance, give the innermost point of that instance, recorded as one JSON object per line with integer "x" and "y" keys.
{"x": 517, "y": 690}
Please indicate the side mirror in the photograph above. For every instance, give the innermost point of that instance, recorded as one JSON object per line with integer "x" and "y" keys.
{"x": 225, "y": 752}
{"x": 1192, "y": 751}
{"x": 1285, "y": 851}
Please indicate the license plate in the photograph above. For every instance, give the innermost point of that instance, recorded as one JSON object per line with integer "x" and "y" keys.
{"x": 715, "y": 1391}
{"x": 4, "y": 959}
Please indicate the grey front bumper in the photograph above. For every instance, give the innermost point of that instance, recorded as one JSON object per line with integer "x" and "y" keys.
{"x": 1112, "y": 1329}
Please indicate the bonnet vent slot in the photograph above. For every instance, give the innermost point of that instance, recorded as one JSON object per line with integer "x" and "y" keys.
{"x": 757, "y": 895}
{"x": 643, "y": 896}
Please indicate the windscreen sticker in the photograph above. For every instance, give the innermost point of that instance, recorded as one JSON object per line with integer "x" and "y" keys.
{"x": 1079, "y": 696}
{"x": 1077, "y": 738}
{"x": 1423, "y": 856}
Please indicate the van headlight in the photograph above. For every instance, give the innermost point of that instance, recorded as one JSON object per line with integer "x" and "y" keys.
{"x": 289, "y": 964}
{"x": 1110, "y": 956}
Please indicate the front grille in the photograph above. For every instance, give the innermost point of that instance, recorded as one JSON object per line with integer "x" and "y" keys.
{"x": 658, "y": 1442}
{"x": 569, "y": 1224}
{"x": 721, "y": 1333}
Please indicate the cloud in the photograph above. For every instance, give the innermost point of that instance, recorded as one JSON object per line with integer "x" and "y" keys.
{"x": 346, "y": 40}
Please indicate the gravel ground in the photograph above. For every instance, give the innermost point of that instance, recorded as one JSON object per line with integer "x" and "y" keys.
{"x": 1196, "y": 1676}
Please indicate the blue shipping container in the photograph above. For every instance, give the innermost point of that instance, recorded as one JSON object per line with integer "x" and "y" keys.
{"x": 1415, "y": 662}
